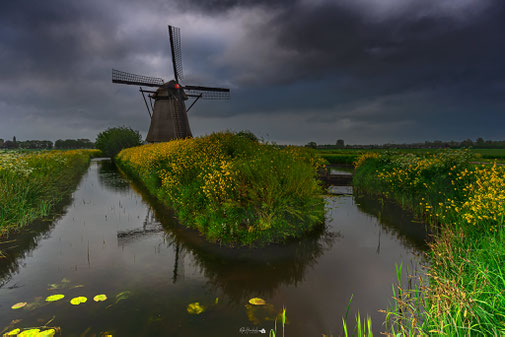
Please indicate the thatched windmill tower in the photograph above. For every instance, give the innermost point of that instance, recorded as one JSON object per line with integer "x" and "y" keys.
{"x": 169, "y": 118}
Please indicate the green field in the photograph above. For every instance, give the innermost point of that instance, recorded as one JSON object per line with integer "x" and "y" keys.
{"x": 348, "y": 156}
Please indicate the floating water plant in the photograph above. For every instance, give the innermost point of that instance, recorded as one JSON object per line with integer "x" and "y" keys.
{"x": 14, "y": 332}
{"x": 29, "y": 333}
{"x": 54, "y": 298}
{"x": 78, "y": 300}
{"x": 195, "y": 308}
{"x": 46, "y": 333}
{"x": 257, "y": 301}
{"x": 123, "y": 295}
{"x": 100, "y": 298}
{"x": 18, "y": 305}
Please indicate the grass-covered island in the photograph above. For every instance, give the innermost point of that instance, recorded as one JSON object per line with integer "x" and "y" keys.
{"x": 465, "y": 290}
{"x": 32, "y": 182}
{"x": 231, "y": 188}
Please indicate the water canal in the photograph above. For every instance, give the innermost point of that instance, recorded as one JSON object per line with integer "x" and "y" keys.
{"x": 113, "y": 239}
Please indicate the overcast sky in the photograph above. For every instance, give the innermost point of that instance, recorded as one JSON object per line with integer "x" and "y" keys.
{"x": 366, "y": 71}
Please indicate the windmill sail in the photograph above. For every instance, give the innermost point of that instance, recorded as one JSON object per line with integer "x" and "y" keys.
{"x": 132, "y": 79}
{"x": 175, "y": 45}
{"x": 210, "y": 93}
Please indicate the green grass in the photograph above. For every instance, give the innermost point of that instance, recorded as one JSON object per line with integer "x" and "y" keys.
{"x": 464, "y": 294}
{"x": 348, "y": 156}
{"x": 31, "y": 183}
{"x": 233, "y": 190}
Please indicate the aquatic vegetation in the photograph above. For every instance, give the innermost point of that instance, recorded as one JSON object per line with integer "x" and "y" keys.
{"x": 46, "y": 333}
{"x": 362, "y": 329}
{"x": 232, "y": 189}
{"x": 466, "y": 205}
{"x": 123, "y": 295}
{"x": 257, "y": 301}
{"x": 195, "y": 308}
{"x": 54, "y": 298}
{"x": 78, "y": 300}
{"x": 64, "y": 283}
{"x": 31, "y": 183}
{"x": 14, "y": 332}
{"x": 273, "y": 332}
{"x": 18, "y": 305}
{"x": 100, "y": 298}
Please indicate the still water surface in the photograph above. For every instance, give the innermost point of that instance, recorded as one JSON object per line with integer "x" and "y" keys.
{"x": 112, "y": 238}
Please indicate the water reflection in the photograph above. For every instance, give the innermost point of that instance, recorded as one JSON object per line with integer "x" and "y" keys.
{"x": 238, "y": 272}
{"x": 19, "y": 245}
{"x": 394, "y": 221}
{"x": 114, "y": 237}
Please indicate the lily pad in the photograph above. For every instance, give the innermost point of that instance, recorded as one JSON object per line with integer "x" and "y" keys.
{"x": 195, "y": 308}
{"x": 46, "y": 333}
{"x": 257, "y": 301}
{"x": 100, "y": 298}
{"x": 18, "y": 305}
{"x": 29, "y": 333}
{"x": 14, "y": 332}
{"x": 54, "y": 298}
{"x": 78, "y": 300}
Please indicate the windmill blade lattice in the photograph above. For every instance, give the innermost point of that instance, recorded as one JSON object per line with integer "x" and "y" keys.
{"x": 209, "y": 93}
{"x": 175, "y": 45}
{"x": 132, "y": 79}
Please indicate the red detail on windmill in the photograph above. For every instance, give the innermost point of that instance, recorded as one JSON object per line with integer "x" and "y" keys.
{"x": 177, "y": 86}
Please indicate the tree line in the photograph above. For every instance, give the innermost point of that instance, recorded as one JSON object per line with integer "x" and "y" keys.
{"x": 60, "y": 144}
{"x": 479, "y": 143}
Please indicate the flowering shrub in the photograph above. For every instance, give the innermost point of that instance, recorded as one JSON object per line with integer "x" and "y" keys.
{"x": 233, "y": 189}
{"x": 445, "y": 186}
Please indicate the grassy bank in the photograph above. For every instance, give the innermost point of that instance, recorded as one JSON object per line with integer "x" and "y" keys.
{"x": 464, "y": 294}
{"x": 31, "y": 182}
{"x": 232, "y": 189}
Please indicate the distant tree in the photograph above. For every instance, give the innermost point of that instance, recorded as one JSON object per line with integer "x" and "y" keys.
{"x": 74, "y": 144}
{"x": 36, "y": 144}
{"x": 1, "y": 142}
{"x": 340, "y": 143}
{"x": 467, "y": 143}
{"x": 113, "y": 140}
{"x": 311, "y": 144}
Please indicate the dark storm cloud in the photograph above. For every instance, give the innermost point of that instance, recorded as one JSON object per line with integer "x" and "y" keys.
{"x": 431, "y": 68}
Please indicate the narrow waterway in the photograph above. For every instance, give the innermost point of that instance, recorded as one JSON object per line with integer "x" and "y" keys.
{"x": 113, "y": 239}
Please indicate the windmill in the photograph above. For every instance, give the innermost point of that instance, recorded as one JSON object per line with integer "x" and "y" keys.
{"x": 169, "y": 118}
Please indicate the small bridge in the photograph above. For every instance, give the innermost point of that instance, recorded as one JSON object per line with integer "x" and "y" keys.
{"x": 336, "y": 175}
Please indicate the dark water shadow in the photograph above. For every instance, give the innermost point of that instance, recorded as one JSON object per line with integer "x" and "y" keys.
{"x": 396, "y": 221}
